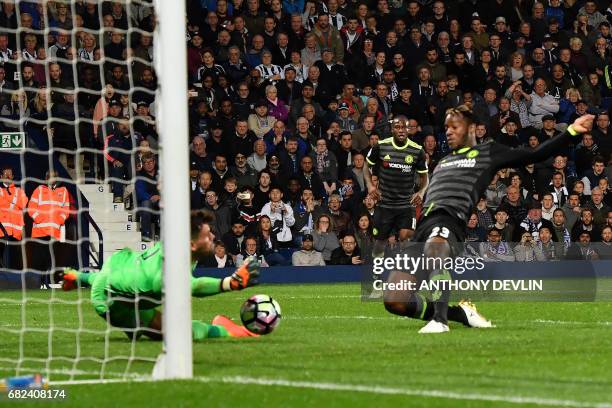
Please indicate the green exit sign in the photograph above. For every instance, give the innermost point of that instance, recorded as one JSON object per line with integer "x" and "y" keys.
{"x": 12, "y": 141}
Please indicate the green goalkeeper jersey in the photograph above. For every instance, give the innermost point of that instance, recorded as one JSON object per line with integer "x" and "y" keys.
{"x": 128, "y": 274}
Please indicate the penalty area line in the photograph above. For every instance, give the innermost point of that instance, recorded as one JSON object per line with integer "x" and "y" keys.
{"x": 403, "y": 391}
{"x": 368, "y": 389}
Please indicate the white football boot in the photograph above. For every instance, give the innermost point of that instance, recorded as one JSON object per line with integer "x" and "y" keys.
{"x": 434, "y": 327}
{"x": 474, "y": 318}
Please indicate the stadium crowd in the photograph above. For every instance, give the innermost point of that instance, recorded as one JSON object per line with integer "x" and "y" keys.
{"x": 286, "y": 98}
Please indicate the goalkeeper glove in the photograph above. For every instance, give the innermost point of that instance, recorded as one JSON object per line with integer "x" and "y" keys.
{"x": 244, "y": 276}
{"x": 69, "y": 277}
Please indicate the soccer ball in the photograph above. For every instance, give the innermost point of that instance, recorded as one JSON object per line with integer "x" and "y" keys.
{"x": 260, "y": 314}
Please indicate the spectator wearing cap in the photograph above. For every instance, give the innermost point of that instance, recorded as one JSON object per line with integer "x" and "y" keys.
{"x": 289, "y": 88}
{"x": 275, "y": 169}
{"x": 542, "y": 104}
{"x": 276, "y": 107}
{"x": 217, "y": 142}
{"x": 533, "y": 221}
{"x": 144, "y": 123}
{"x": 548, "y": 130}
{"x": 501, "y": 29}
{"x": 261, "y": 122}
{"x": 508, "y": 135}
{"x": 307, "y": 256}
{"x": 346, "y": 122}
{"x": 551, "y": 52}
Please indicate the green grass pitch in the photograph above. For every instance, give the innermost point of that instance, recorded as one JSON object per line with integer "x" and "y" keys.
{"x": 332, "y": 350}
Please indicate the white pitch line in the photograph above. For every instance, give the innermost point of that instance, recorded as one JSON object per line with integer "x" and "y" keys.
{"x": 368, "y": 389}
{"x": 602, "y": 323}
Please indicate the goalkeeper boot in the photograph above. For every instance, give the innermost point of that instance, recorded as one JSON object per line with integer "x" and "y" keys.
{"x": 474, "y": 318}
{"x": 235, "y": 330}
{"x": 434, "y": 326}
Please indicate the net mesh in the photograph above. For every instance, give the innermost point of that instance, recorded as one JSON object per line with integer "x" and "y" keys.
{"x": 78, "y": 135}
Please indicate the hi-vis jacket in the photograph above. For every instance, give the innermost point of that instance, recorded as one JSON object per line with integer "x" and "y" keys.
{"x": 49, "y": 208}
{"x": 12, "y": 203}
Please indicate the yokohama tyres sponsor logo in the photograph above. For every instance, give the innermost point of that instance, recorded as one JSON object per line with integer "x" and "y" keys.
{"x": 459, "y": 163}
{"x": 405, "y": 168}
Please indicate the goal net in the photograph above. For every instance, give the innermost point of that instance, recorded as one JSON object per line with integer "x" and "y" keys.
{"x": 81, "y": 154}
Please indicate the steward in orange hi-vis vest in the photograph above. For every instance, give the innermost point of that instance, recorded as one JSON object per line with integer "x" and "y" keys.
{"x": 13, "y": 202}
{"x": 49, "y": 208}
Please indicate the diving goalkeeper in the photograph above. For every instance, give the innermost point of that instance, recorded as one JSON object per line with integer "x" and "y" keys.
{"x": 128, "y": 289}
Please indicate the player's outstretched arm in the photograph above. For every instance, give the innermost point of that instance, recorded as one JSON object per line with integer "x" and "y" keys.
{"x": 71, "y": 278}
{"x": 246, "y": 275}
{"x": 523, "y": 156}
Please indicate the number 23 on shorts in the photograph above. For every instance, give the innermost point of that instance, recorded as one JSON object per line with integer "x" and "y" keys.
{"x": 439, "y": 232}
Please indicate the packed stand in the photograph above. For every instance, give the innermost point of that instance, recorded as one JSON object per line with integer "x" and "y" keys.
{"x": 77, "y": 78}
{"x": 287, "y": 98}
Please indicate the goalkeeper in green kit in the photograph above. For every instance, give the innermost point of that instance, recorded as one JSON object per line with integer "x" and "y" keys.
{"x": 128, "y": 289}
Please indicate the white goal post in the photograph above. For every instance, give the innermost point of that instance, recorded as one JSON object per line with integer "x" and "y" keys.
{"x": 171, "y": 66}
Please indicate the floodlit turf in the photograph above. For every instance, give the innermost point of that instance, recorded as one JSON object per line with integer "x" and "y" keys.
{"x": 331, "y": 349}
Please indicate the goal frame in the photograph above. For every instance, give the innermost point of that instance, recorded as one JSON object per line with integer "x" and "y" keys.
{"x": 176, "y": 360}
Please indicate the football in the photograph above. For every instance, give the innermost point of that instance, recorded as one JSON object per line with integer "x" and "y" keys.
{"x": 260, "y": 314}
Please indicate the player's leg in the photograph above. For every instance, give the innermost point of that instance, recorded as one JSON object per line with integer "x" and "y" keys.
{"x": 221, "y": 327}
{"x": 405, "y": 221}
{"x": 436, "y": 249}
{"x": 439, "y": 246}
{"x": 408, "y": 303}
{"x": 383, "y": 223}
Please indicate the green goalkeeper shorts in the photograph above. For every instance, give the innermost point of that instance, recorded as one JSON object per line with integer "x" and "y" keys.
{"x": 133, "y": 321}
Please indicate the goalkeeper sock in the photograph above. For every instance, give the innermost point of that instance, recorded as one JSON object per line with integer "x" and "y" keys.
{"x": 203, "y": 331}
{"x": 205, "y": 286}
